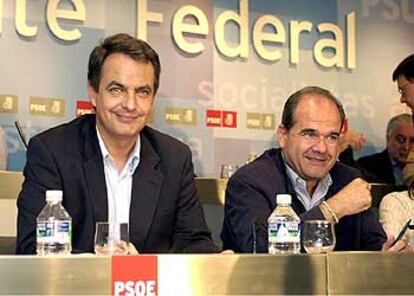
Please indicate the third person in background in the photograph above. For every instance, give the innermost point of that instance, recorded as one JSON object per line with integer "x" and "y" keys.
{"x": 387, "y": 166}
{"x": 404, "y": 76}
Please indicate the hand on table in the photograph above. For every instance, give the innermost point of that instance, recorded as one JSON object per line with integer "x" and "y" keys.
{"x": 132, "y": 250}
{"x": 401, "y": 246}
{"x": 227, "y": 252}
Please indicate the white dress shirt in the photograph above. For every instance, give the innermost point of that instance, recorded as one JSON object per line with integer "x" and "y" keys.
{"x": 119, "y": 184}
{"x": 299, "y": 185}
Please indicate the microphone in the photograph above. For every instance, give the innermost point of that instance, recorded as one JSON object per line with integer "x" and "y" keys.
{"x": 21, "y": 134}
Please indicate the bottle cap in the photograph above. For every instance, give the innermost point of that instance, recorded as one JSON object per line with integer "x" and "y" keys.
{"x": 283, "y": 199}
{"x": 54, "y": 195}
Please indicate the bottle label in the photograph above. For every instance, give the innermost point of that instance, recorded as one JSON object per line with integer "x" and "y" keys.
{"x": 284, "y": 232}
{"x": 54, "y": 232}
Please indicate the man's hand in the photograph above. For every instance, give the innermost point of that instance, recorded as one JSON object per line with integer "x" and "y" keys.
{"x": 352, "y": 139}
{"x": 352, "y": 199}
{"x": 400, "y": 246}
{"x": 132, "y": 250}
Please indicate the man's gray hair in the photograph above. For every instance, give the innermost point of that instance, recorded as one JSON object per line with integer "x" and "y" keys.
{"x": 397, "y": 120}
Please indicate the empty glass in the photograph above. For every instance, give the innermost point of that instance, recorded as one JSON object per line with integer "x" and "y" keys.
{"x": 318, "y": 236}
{"x": 227, "y": 170}
{"x": 111, "y": 238}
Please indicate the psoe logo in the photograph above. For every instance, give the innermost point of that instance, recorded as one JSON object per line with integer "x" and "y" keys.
{"x": 8, "y": 104}
{"x": 56, "y": 107}
{"x": 229, "y": 119}
{"x": 184, "y": 116}
{"x": 213, "y": 118}
{"x": 38, "y": 106}
{"x": 218, "y": 118}
{"x": 260, "y": 121}
{"x": 135, "y": 275}
{"x": 47, "y": 106}
{"x": 138, "y": 288}
{"x": 83, "y": 107}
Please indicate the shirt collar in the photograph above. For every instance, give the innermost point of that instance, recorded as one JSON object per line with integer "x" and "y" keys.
{"x": 326, "y": 181}
{"x": 393, "y": 162}
{"x": 102, "y": 146}
{"x": 134, "y": 157}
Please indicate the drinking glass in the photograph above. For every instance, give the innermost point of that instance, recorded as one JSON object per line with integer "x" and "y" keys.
{"x": 111, "y": 238}
{"x": 318, "y": 236}
{"x": 227, "y": 170}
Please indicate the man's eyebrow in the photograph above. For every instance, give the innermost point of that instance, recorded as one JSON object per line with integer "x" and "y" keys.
{"x": 311, "y": 130}
{"x": 307, "y": 130}
{"x": 145, "y": 86}
{"x": 114, "y": 83}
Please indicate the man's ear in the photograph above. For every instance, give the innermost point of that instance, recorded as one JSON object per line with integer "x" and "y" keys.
{"x": 282, "y": 134}
{"x": 92, "y": 94}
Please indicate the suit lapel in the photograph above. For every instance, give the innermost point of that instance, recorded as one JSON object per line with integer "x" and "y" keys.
{"x": 95, "y": 178}
{"x": 94, "y": 172}
{"x": 146, "y": 187}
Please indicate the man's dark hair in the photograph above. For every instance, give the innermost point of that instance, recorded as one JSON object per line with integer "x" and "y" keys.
{"x": 288, "y": 119}
{"x": 406, "y": 68}
{"x": 134, "y": 48}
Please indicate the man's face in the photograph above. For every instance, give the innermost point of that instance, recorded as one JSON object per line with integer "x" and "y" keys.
{"x": 310, "y": 147}
{"x": 400, "y": 141}
{"x": 124, "y": 99}
{"x": 406, "y": 89}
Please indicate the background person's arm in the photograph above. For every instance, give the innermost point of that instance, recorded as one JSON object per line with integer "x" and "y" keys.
{"x": 392, "y": 214}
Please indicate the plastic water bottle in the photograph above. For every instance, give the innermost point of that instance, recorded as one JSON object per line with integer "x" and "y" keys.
{"x": 283, "y": 229}
{"x": 54, "y": 227}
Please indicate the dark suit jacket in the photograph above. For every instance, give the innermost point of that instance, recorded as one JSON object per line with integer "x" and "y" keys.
{"x": 251, "y": 197}
{"x": 165, "y": 212}
{"x": 378, "y": 167}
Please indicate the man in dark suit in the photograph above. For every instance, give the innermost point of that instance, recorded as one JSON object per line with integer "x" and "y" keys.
{"x": 387, "y": 166}
{"x": 404, "y": 76}
{"x": 112, "y": 167}
{"x": 305, "y": 167}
